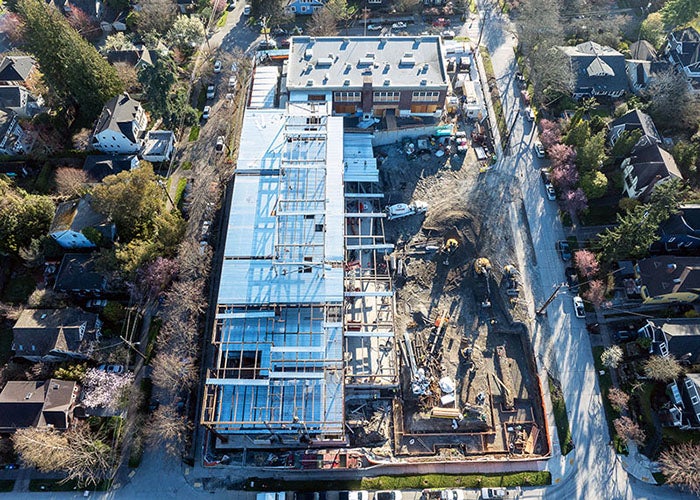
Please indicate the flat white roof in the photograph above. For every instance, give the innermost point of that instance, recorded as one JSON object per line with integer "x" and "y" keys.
{"x": 345, "y": 62}
{"x": 265, "y": 80}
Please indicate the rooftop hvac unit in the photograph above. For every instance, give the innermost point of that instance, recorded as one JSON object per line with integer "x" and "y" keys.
{"x": 309, "y": 83}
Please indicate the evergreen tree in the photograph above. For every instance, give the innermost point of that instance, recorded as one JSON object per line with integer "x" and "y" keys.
{"x": 72, "y": 68}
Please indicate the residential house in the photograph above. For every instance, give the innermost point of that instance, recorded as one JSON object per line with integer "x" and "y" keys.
{"x": 683, "y": 51}
{"x": 157, "y": 145}
{"x": 668, "y": 279}
{"x": 16, "y": 70}
{"x": 682, "y": 230}
{"x": 78, "y": 275}
{"x": 303, "y": 7}
{"x": 13, "y": 140}
{"x": 597, "y": 70}
{"x": 691, "y": 389}
{"x": 17, "y": 99}
{"x": 679, "y": 337}
{"x": 54, "y": 335}
{"x": 633, "y": 120}
{"x": 369, "y": 76}
{"x": 93, "y": 8}
{"x": 71, "y": 220}
{"x": 643, "y": 65}
{"x": 97, "y": 167}
{"x": 41, "y": 404}
{"x": 647, "y": 166}
{"x": 120, "y": 126}
{"x": 138, "y": 58}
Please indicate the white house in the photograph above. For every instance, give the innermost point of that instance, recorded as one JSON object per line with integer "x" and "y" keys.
{"x": 72, "y": 218}
{"x": 158, "y": 145}
{"x": 120, "y": 126}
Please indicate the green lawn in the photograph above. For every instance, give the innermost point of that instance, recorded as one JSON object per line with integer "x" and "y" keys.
{"x": 496, "y": 101}
{"x": 410, "y": 482}
{"x": 611, "y": 414}
{"x": 179, "y": 191}
{"x": 560, "y": 417}
{"x": 194, "y": 133}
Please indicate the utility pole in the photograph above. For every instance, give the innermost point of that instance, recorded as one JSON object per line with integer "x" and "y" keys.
{"x": 541, "y": 310}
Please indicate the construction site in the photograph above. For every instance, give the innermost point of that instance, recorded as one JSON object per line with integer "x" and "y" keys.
{"x": 370, "y": 307}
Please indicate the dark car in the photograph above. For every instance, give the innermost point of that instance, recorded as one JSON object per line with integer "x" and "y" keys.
{"x": 544, "y": 174}
{"x": 624, "y": 335}
{"x": 572, "y": 279}
{"x": 564, "y": 250}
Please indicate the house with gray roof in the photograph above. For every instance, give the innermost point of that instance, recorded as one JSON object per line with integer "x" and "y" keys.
{"x": 71, "y": 220}
{"x": 598, "y": 70}
{"x": 19, "y": 100}
{"x": 15, "y": 70}
{"x": 683, "y": 52}
{"x": 682, "y": 230}
{"x": 41, "y": 404}
{"x": 643, "y": 65}
{"x": 679, "y": 337}
{"x": 97, "y": 167}
{"x": 55, "y": 335}
{"x": 648, "y": 165}
{"x": 691, "y": 389}
{"x": 13, "y": 139}
{"x": 633, "y": 120}
{"x": 120, "y": 127}
{"x": 78, "y": 275}
{"x": 397, "y": 76}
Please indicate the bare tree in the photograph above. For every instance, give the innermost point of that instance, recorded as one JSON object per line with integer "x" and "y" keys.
{"x": 127, "y": 74}
{"x": 627, "y": 428}
{"x": 612, "y": 356}
{"x": 82, "y": 455}
{"x": 618, "y": 398}
{"x": 81, "y": 139}
{"x": 169, "y": 429}
{"x": 70, "y": 181}
{"x": 681, "y": 465}
{"x": 595, "y": 293}
{"x": 172, "y": 372}
{"x": 662, "y": 368}
{"x": 155, "y": 15}
{"x": 323, "y": 23}
{"x": 671, "y": 103}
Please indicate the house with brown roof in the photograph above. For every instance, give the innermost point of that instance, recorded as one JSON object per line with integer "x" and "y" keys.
{"x": 54, "y": 335}
{"x": 71, "y": 220}
{"x": 42, "y": 404}
{"x": 668, "y": 279}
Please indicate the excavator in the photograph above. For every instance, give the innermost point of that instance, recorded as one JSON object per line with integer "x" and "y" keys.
{"x": 482, "y": 267}
{"x": 448, "y": 248}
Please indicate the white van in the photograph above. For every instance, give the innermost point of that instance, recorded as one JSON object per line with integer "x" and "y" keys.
{"x": 247, "y": 10}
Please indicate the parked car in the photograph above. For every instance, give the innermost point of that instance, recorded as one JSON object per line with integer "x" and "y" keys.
{"x": 267, "y": 45}
{"x": 551, "y": 192}
{"x": 544, "y": 174}
{"x": 529, "y": 114}
{"x": 205, "y": 112}
{"x": 279, "y": 31}
{"x": 111, "y": 368}
{"x": 247, "y": 10}
{"x": 519, "y": 77}
{"x": 388, "y": 495}
{"x": 217, "y": 66}
{"x": 564, "y": 250}
{"x": 219, "y": 144}
{"x": 572, "y": 279}
{"x": 353, "y": 495}
{"x": 579, "y": 309}
{"x": 441, "y": 22}
{"x": 624, "y": 335}
{"x": 96, "y": 304}
{"x": 211, "y": 91}
{"x": 489, "y": 493}
{"x": 399, "y": 26}
{"x": 448, "y": 34}
{"x": 452, "y": 495}
{"x": 232, "y": 80}
{"x": 231, "y": 4}
{"x": 374, "y": 27}
{"x": 539, "y": 149}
